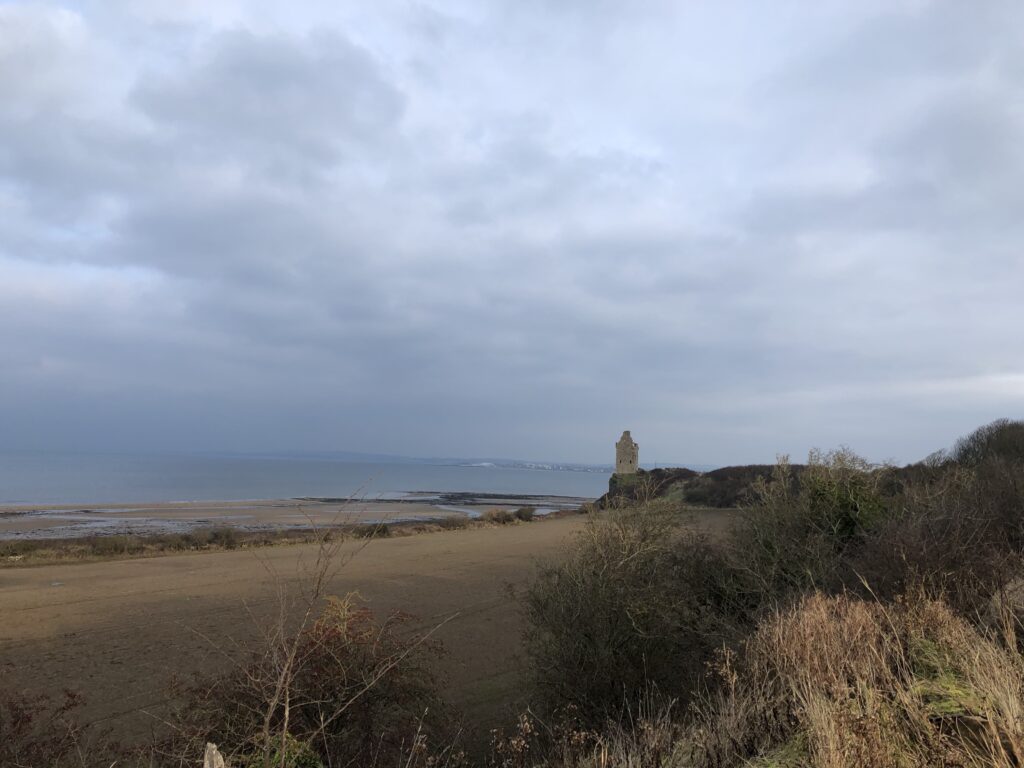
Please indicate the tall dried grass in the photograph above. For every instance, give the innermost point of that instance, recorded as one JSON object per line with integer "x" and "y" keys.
{"x": 840, "y": 682}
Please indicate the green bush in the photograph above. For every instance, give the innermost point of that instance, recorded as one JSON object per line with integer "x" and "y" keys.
{"x": 630, "y": 607}
{"x": 796, "y": 533}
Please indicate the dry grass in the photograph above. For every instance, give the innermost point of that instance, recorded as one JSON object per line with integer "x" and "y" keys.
{"x": 846, "y": 683}
{"x": 18, "y": 553}
{"x": 498, "y": 516}
{"x": 38, "y": 731}
{"x": 645, "y": 737}
{"x": 328, "y": 684}
{"x": 347, "y": 689}
{"x": 834, "y": 682}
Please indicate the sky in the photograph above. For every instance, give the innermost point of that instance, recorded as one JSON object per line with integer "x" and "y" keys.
{"x": 511, "y": 228}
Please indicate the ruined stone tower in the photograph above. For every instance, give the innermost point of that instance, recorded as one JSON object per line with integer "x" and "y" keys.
{"x": 626, "y": 455}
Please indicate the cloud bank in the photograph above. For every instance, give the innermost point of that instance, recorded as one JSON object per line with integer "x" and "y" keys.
{"x": 510, "y": 228}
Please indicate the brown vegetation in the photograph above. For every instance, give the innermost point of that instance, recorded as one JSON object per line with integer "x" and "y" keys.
{"x": 857, "y": 615}
{"x": 346, "y": 690}
{"x": 846, "y": 682}
{"x": 21, "y": 552}
{"x": 620, "y": 612}
{"x": 37, "y": 731}
{"x": 498, "y": 516}
{"x": 826, "y": 661}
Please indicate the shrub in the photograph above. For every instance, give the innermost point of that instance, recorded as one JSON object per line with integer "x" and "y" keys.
{"x": 16, "y": 549}
{"x": 636, "y": 602}
{"x": 797, "y": 531}
{"x": 525, "y": 514}
{"x": 958, "y": 531}
{"x": 643, "y": 486}
{"x": 841, "y": 524}
{"x": 498, "y": 516}
{"x": 224, "y": 537}
{"x": 372, "y": 531}
{"x": 173, "y": 542}
{"x": 727, "y": 486}
{"x": 110, "y": 546}
{"x": 629, "y": 607}
{"x": 359, "y": 692}
{"x": 37, "y": 731}
{"x": 453, "y": 522}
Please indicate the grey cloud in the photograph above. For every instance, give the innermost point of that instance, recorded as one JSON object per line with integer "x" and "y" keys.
{"x": 933, "y": 42}
{"x": 275, "y": 101}
{"x": 281, "y": 237}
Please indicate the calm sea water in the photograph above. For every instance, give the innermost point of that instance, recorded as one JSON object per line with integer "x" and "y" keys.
{"x": 59, "y": 478}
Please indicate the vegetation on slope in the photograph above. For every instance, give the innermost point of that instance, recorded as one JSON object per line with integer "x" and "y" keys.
{"x": 920, "y": 566}
{"x": 857, "y": 615}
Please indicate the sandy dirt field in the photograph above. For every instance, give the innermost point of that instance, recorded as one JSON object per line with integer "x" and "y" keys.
{"x": 118, "y": 631}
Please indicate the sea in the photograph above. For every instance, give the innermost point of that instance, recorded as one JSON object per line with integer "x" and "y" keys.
{"x": 107, "y": 478}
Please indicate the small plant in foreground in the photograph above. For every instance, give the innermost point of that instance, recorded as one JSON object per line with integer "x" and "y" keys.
{"x": 358, "y": 691}
{"x": 38, "y": 731}
{"x": 837, "y": 681}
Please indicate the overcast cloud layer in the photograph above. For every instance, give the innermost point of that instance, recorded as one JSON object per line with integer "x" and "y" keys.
{"x": 511, "y": 228}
